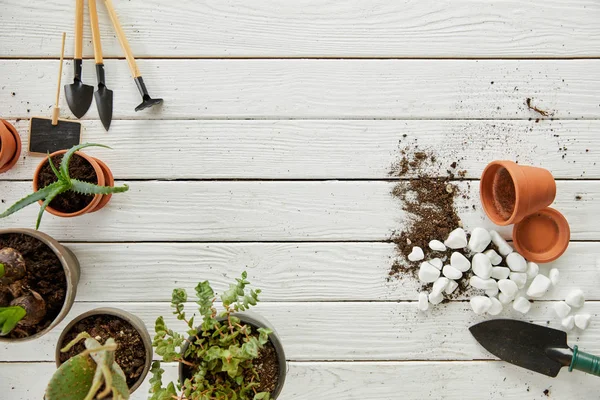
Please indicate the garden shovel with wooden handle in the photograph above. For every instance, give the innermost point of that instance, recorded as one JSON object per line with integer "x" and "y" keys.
{"x": 147, "y": 101}
{"x": 79, "y": 96}
{"x": 103, "y": 96}
{"x": 537, "y": 348}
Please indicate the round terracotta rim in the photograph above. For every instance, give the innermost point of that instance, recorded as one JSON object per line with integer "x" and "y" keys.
{"x": 97, "y": 198}
{"x": 15, "y": 158}
{"x": 558, "y": 249}
{"x": 109, "y": 180}
{"x": 495, "y": 165}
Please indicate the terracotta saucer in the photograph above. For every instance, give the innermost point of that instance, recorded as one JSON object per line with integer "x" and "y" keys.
{"x": 15, "y": 134}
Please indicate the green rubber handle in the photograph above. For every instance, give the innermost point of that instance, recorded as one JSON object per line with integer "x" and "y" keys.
{"x": 585, "y": 362}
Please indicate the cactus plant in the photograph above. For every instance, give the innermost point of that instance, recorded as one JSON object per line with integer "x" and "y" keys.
{"x": 81, "y": 377}
{"x": 62, "y": 185}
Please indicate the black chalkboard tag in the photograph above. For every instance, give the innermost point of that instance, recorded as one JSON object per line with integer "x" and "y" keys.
{"x": 46, "y": 138}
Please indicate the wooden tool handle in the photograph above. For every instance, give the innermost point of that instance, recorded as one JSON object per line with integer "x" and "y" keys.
{"x": 122, "y": 39}
{"x": 78, "y": 29}
{"x": 56, "y": 109}
{"x": 95, "y": 32}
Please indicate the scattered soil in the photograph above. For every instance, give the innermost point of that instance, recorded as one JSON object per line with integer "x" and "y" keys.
{"x": 504, "y": 194}
{"x": 130, "y": 354}
{"x": 546, "y": 392}
{"x": 70, "y": 201}
{"x": 534, "y": 108}
{"x": 45, "y": 275}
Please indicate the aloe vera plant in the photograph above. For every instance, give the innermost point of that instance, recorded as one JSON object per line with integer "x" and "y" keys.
{"x": 62, "y": 185}
{"x": 81, "y": 377}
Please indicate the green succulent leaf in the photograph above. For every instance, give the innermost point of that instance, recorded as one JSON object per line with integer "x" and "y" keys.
{"x": 32, "y": 198}
{"x": 58, "y": 190}
{"x": 93, "y": 189}
{"x": 53, "y": 167}
{"x": 9, "y": 318}
{"x": 64, "y": 165}
{"x": 1, "y": 270}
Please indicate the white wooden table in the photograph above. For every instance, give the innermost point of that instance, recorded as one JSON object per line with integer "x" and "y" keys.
{"x": 271, "y": 154}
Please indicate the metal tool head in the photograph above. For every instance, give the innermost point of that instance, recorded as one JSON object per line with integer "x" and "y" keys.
{"x": 104, "y": 102}
{"x": 148, "y": 102}
{"x": 523, "y": 344}
{"x": 79, "y": 97}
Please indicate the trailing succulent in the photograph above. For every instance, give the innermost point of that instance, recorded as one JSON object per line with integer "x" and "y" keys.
{"x": 219, "y": 352}
{"x": 81, "y": 377}
{"x": 62, "y": 185}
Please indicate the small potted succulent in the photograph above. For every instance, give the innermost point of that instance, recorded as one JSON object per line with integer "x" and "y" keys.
{"x": 231, "y": 355}
{"x": 68, "y": 184}
{"x": 38, "y": 282}
{"x": 10, "y": 146}
{"x": 133, "y": 353}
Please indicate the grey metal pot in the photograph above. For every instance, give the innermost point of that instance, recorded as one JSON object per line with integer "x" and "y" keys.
{"x": 136, "y": 322}
{"x": 256, "y": 321}
{"x": 71, "y": 267}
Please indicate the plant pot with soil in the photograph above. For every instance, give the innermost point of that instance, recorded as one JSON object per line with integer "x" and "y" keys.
{"x": 231, "y": 355}
{"x": 68, "y": 184}
{"x": 133, "y": 353}
{"x": 38, "y": 283}
{"x": 10, "y": 146}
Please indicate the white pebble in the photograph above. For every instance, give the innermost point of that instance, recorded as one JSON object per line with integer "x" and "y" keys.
{"x": 582, "y": 321}
{"x": 516, "y": 262}
{"x": 568, "y": 323}
{"x": 416, "y": 254}
{"x": 479, "y": 240}
{"x": 575, "y": 299}
{"x": 496, "y": 307}
{"x": 503, "y": 247}
{"x": 457, "y": 239}
{"x": 500, "y": 272}
{"x": 481, "y": 304}
{"x": 436, "y": 262}
{"x": 451, "y": 273}
{"x": 492, "y": 292}
{"x": 494, "y": 257}
{"x": 436, "y": 245}
{"x": 423, "y": 301}
{"x": 452, "y": 285}
{"x": 539, "y": 286}
{"x": 428, "y": 273}
{"x": 532, "y": 270}
{"x": 483, "y": 284}
{"x": 554, "y": 276}
{"x": 440, "y": 285}
{"x": 482, "y": 266}
{"x": 504, "y": 299}
{"x": 508, "y": 287}
{"x": 520, "y": 278}
{"x": 436, "y": 298}
{"x": 460, "y": 262}
{"x": 522, "y": 305}
{"x": 561, "y": 309}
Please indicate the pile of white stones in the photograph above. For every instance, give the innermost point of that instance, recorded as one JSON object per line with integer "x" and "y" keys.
{"x": 503, "y": 286}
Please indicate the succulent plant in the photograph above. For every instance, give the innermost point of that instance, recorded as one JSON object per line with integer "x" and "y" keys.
{"x": 81, "y": 377}
{"x": 62, "y": 185}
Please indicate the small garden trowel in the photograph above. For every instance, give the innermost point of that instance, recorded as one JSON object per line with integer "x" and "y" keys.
{"x": 537, "y": 348}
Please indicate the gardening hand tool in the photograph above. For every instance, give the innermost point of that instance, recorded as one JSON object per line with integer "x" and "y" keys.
{"x": 147, "y": 101}
{"x": 537, "y": 348}
{"x": 103, "y": 96}
{"x": 79, "y": 96}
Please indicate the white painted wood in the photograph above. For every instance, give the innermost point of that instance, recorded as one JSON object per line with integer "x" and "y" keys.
{"x": 354, "y": 89}
{"x": 286, "y": 272}
{"x": 346, "y": 330}
{"x": 317, "y": 28}
{"x": 315, "y": 149}
{"x": 270, "y": 211}
{"x": 473, "y": 380}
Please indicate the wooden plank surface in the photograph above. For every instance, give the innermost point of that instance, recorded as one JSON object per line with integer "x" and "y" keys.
{"x": 352, "y": 89}
{"x": 316, "y": 149}
{"x": 316, "y": 28}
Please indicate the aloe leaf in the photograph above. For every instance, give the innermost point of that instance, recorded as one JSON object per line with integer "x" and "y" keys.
{"x": 54, "y": 168}
{"x": 90, "y": 188}
{"x": 33, "y": 197}
{"x": 48, "y": 200}
{"x": 64, "y": 165}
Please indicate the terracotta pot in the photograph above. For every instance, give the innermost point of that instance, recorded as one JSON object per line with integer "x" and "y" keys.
{"x": 136, "y": 322}
{"x": 534, "y": 189}
{"x": 105, "y": 178}
{"x": 71, "y": 267}
{"x": 542, "y": 237}
{"x": 255, "y": 321}
{"x": 10, "y": 146}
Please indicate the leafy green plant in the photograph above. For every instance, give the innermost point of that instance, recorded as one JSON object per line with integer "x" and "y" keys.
{"x": 62, "y": 185}
{"x": 81, "y": 377}
{"x": 219, "y": 352}
{"x": 9, "y": 318}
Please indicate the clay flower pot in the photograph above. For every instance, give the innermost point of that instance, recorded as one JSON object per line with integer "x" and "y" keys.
{"x": 72, "y": 272}
{"x": 510, "y": 192}
{"x": 134, "y": 321}
{"x": 10, "y": 146}
{"x": 105, "y": 178}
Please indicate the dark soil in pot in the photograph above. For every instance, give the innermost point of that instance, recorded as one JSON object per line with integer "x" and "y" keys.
{"x": 45, "y": 275}
{"x": 130, "y": 354}
{"x": 79, "y": 168}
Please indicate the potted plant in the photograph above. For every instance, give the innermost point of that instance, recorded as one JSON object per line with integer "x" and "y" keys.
{"x": 134, "y": 345}
{"x": 81, "y": 377}
{"x": 38, "y": 282}
{"x": 72, "y": 183}
{"x": 10, "y": 146}
{"x": 231, "y": 355}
